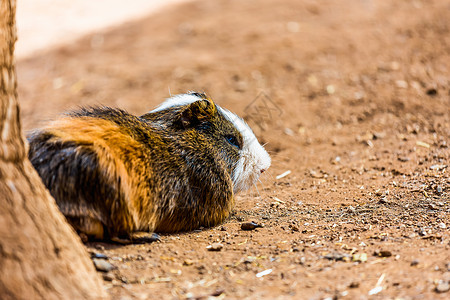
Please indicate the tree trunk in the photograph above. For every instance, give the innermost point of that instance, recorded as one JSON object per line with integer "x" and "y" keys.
{"x": 40, "y": 254}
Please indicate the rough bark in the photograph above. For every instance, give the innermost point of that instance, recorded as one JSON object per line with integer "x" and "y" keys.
{"x": 40, "y": 255}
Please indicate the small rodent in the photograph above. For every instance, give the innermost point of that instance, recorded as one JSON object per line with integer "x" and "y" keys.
{"x": 176, "y": 168}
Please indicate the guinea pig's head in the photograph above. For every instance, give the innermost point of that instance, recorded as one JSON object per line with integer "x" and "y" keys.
{"x": 235, "y": 142}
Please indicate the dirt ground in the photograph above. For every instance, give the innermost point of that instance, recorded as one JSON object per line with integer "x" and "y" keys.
{"x": 352, "y": 99}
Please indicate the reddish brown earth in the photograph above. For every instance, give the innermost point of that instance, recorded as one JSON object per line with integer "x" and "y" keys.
{"x": 355, "y": 103}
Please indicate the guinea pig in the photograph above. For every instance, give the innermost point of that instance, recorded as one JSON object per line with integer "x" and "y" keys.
{"x": 176, "y": 168}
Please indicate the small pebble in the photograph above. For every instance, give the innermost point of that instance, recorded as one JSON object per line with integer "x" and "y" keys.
{"x": 401, "y": 84}
{"x": 108, "y": 277}
{"x": 264, "y": 273}
{"x": 431, "y": 92}
{"x": 336, "y": 256}
{"x": 188, "y": 262}
{"x": 217, "y": 293}
{"x": 293, "y": 227}
{"x": 102, "y": 265}
{"x": 375, "y": 290}
{"x": 442, "y": 287}
{"x": 124, "y": 280}
{"x": 215, "y": 247}
{"x": 250, "y": 225}
{"x": 98, "y": 255}
{"x": 383, "y": 253}
{"x": 442, "y": 225}
{"x": 415, "y": 262}
{"x": 283, "y": 175}
{"x": 249, "y": 260}
{"x": 100, "y": 247}
{"x": 422, "y": 232}
{"x": 359, "y": 257}
{"x": 438, "y": 167}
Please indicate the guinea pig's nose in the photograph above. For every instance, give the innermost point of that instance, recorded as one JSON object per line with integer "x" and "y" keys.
{"x": 263, "y": 170}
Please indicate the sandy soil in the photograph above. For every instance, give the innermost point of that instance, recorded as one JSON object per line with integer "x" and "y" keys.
{"x": 352, "y": 99}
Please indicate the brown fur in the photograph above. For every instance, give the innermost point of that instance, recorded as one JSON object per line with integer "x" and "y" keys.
{"x": 113, "y": 173}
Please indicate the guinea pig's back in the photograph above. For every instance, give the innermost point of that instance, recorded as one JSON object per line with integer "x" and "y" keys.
{"x": 85, "y": 161}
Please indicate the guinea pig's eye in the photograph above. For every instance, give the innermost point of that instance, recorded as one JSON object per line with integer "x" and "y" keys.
{"x": 233, "y": 141}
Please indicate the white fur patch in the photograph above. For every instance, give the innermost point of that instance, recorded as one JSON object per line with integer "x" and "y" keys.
{"x": 178, "y": 100}
{"x": 253, "y": 160}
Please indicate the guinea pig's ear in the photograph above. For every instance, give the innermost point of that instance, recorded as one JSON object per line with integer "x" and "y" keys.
{"x": 198, "y": 112}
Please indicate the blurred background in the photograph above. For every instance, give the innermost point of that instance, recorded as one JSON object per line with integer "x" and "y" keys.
{"x": 48, "y": 24}
{"x": 319, "y": 62}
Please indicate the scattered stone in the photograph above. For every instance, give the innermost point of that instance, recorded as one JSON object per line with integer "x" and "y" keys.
{"x": 354, "y": 285}
{"x": 264, "y": 273}
{"x": 415, "y": 262}
{"x": 249, "y": 259}
{"x": 108, "y": 277}
{"x": 359, "y": 257}
{"x": 293, "y": 227}
{"x": 442, "y": 225}
{"x": 102, "y": 265}
{"x": 431, "y": 92}
{"x": 289, "y": 132}
{"x": 382, "y": 253}
{"x": 99, "y": 247}
{"x": 442, "y": 287}
{"x": 412, "y": 235}
{"x": 432, "y": 206}
{"x": 401, "y": 84}
{"x": 98, "y": 255}
{"x": 438, "y": 167}
{"x": 283, "y": 175}
{"x": 369, "y": 143}
{"x": 124, "y": 280}
{"x": 250, "y": 225}
{"x": 330, "y": 89}
{"x": 215, "y": 247}
{"x": 423, "y": 144}
{"x": 278, "y": 200}
{"x": 218, "y": 292}
{"x": 422, "y": 231}
{"x": 188, "y": 262}
{"x": 403, "y": 158}
{"x": 379, "y": 135}
{"x": 315, "y": 174}
{"x": 383, "y": 200}
{"x": 351, "y": 209}
{"x": 379, "y": 193}
{"x": 375, "y": 290}
{"x": 337, "y": 256}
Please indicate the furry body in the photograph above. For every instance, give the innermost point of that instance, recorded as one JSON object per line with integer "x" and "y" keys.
{"x": 112, "y": 173}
